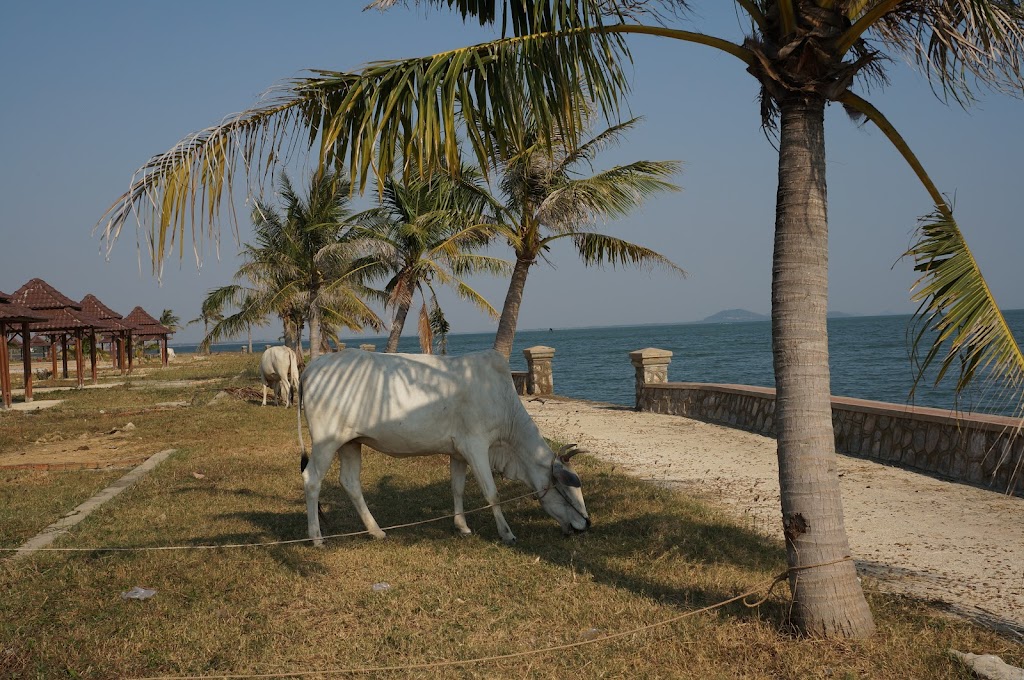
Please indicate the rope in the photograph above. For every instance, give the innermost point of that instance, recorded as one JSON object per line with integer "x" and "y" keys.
{"x": 263, "y": 544}
{"x": 529, "y": 652}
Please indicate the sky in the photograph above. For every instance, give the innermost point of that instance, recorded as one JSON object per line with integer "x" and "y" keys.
{"x": 92, "y": 90}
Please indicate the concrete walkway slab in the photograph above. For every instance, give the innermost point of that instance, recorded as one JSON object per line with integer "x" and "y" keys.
{"x": 65, "y": 523}
{"x": 34, "y": 405}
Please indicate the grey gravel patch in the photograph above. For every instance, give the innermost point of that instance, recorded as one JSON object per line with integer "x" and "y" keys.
{"x": 65, "y": 523}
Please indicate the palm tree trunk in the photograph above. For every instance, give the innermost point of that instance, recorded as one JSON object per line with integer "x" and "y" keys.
{"x": 827, "y": 599}
{"x": 401, "y": 311}
{"x": 506, "y": 334}
{"x": 314, "y": 325}
{"x": 248, "y": 333}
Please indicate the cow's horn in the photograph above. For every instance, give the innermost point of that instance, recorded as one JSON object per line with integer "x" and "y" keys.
{"x": 567, "y": 452}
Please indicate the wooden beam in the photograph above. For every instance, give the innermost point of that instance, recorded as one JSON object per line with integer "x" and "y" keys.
{"x": 79, "y": 359}
{"x": 26, "y": 360}
{"x": 5, "y": 365}
{"x": 64, "y": 353}
{"x": 92, "y": 353}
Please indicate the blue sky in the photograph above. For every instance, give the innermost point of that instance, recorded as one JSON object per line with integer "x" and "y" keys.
{"x": 94, "y": 89}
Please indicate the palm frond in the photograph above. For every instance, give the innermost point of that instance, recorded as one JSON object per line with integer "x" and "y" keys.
{"x": 957, "y": 305}
{"x": 958, "y": 44}
{"x": 425, "y": 331}
{"x": 598, "y": 249}
{"x": 607, "y": 195}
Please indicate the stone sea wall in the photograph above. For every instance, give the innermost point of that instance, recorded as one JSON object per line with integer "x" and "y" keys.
{"x": 983, "y": 450}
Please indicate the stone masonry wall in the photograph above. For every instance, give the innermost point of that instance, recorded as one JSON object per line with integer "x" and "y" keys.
{"x": 984, "y": 450}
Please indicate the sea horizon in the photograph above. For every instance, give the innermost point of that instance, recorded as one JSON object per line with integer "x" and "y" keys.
{"x": 870, "y": 357}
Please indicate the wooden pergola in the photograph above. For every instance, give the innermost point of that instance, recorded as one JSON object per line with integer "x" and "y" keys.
{"x": 62, "y": 316}
{"x": 13, "y": 316}
{"x": 120, "y": 331}
{"x": 148, "y": 328}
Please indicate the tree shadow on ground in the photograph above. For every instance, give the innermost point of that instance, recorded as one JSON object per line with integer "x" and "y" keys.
{"x": 641, "y": 533}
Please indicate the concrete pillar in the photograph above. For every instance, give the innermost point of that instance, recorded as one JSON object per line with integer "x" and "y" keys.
{"x": 539, "y": 379}
{"x": 651, "y": 368}
{"x": 367, "y": 347}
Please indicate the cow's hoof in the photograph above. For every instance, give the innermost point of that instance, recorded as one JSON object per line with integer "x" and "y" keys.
{"x": 378, "y": 535}
{"x": 509, "y": 540}
{"x": 465, "y": 531}
{"x": 318, "y": 542}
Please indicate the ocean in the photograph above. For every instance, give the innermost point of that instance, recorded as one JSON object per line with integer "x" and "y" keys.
{"x": 869, "y": 356}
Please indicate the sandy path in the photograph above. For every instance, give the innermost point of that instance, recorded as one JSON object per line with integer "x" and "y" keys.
{"x": 915, "y": 534}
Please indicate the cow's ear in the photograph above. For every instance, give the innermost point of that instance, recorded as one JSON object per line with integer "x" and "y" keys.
{"x": 565, "y": 476}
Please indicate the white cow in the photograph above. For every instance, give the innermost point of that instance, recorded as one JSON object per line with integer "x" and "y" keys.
{"x": 417, "y": 405}
{"x": 279, "y": 370}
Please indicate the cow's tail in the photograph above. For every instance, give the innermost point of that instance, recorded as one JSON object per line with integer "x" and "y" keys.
{"x": 298, "y": 415}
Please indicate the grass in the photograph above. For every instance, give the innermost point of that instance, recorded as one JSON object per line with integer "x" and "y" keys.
{"x": 653, "y": 554}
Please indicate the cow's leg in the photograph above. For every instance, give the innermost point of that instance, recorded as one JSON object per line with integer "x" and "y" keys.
{"x": 351, "y": 455}
{"x": 287, "y": 392}
{"x": 320, "y": 460}
{"x": 264, "y": 394}
{"x": 458, "y": 468}
{"x": 479, "y": 460}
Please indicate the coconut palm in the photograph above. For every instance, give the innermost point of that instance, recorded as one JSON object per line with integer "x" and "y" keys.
{"x": 547, "y": 200}
{"x": 170, "y": 320}
{"x": 208, "y": 314}
{"x": 561, "y": 56}
{"x": 425, "y": 231}
{"x": 299, "y": 269}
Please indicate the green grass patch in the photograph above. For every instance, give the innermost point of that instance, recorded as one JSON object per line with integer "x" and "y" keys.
{"x": 652, "y": 554}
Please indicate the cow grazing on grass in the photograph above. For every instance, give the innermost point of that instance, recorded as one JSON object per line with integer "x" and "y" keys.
{"x": 417, "y": 405}
{"x": 279, "y": 370}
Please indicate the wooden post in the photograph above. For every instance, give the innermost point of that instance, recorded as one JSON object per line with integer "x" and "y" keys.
{"x": 131, "y": 352}
{"x": 53, "y": 355}
{"x": 79, "y": 359}
{"x": 163, "y": 351}
{"x": 64, "y": 354}
{"x": 5, "y": 364}
{"x": 26, "y": 360}
{"x": 92, "y": 353}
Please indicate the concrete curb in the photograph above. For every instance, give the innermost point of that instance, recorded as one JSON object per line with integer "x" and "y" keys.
{"x": 65, "y": 523}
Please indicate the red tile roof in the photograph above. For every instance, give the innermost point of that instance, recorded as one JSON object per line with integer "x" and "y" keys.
{"x": 64, "y": 319}
{"x": 92, "y": 306}
{"x": 14, "y": 313}
{"x": 38, "y": 294}
{"x": 145, "y": 324}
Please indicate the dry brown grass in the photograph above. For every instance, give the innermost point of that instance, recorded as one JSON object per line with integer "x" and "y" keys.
{"x": 652, "y": 555}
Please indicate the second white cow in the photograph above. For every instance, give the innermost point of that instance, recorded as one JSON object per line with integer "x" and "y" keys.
{"x": 279, "y": 370}
{"x": 415, "y": 405}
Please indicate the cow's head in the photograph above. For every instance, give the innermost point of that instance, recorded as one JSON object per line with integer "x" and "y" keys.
{"x": 563, "y": 497}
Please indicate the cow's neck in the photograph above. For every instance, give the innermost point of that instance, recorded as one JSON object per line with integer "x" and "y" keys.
{"x": 522, "y": 454}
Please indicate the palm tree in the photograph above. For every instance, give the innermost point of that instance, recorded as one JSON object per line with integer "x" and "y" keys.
{"x": 425, "y": 231}
{"x": 170, "y": 320}
{"x": 299, "y": 269}
{"x": 208, "y": 314}
{"x": 545, "y": 200}
{"x": 562, "y": 56}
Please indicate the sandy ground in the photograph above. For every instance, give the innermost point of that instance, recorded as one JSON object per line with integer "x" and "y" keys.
{"x": 53, "y": 452}
{"x": 914, "y": 534}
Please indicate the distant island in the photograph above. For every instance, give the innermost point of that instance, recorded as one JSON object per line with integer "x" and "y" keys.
{"x": 735, "y": 316}
{"x": 742, "y": 315}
